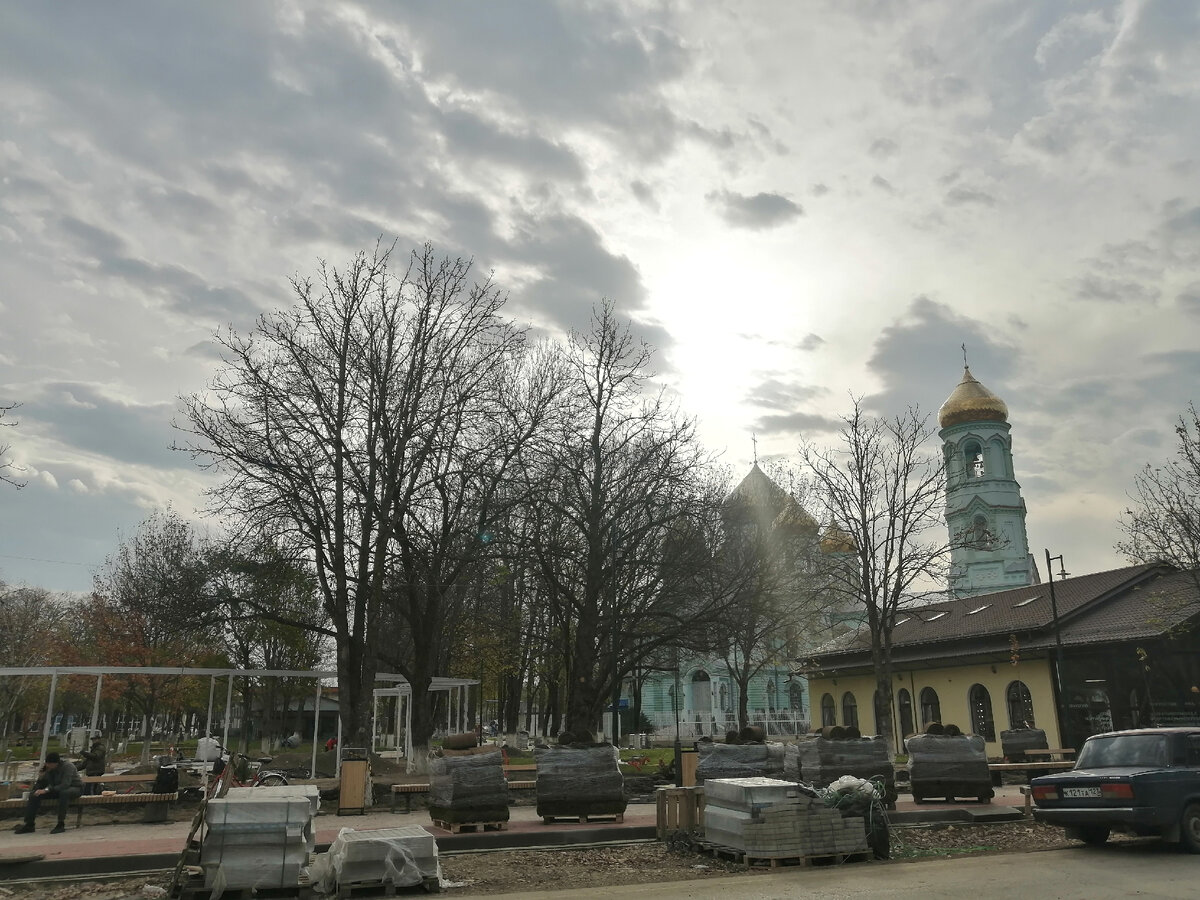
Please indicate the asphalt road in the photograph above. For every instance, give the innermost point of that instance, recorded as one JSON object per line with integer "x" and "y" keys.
{"x": 1080, "y": 873}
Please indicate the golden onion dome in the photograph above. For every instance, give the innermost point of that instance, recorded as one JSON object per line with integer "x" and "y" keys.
{"x": 971, "y": 402}
{"x": 835, "y": 540}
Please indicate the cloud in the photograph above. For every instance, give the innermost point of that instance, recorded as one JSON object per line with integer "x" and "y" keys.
{"x": 797, "y": 424}
{"x": 644, "y": 193}
{"x": 48, "y": 479}
{"x": 756, "y": 212}
{"x": 1189, "y": 298}
{"x": 810, "y": 342}
{"x": 882, "y": 148}
{"x": 1094, "y": 287}
{"x": 882, "y": 183}
{"x": 819, "y": 190}
{"x": 961, "y": 195}
{"x": 776, "y": 393}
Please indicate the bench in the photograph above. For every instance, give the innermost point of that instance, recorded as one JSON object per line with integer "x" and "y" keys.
{"x": 520, "y": 767}
{"x": 156, "y": 804}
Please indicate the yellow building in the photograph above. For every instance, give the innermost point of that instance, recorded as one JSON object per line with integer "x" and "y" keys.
{"x": 1111, "y": 650}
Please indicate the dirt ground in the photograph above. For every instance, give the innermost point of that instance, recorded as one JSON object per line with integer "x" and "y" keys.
{"x": 533, "y": 870}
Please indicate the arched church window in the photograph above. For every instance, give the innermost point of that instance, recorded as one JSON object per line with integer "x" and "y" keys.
{"x": 981, "y": 537}
{"x": 904, "y": 701}
{"x": 1020, "y": 705}
{"x": 723, "y": 693}
{"x": 795, "y": 696}
{"x": 931, "y": 707}
{"x": 849, "y": 710}
{"x": 828, "y": 710}
{"x": 980, "y": 702}
{"x": 973, "y": 456}
{"x": 771, "y": 695}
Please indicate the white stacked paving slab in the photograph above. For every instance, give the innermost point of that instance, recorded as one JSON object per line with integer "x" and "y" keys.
{"x": 769, "y": 818}
{"x": 309, "y": 792}
{"x": 257, "y": 841}
{"x": 403, "y": 856}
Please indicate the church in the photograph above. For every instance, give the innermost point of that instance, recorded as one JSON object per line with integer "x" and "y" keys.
{"x": 1072, "y": 656}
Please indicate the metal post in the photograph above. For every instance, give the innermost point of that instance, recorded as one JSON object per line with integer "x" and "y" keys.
{"x": 312, "y": 772}
{"x": 49, "y": 717}
{"x": 96, "y": 705}
{"x": 212, "y": 686}
{"x": 1059, "y": 703}
{"x": 338, "y": 772}
{"x": 228, "y": 707}
{"x": 678, "y": 744}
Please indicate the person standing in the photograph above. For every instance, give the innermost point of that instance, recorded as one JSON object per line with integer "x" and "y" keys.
{"x": 59, "y": 781}
{"x": 95, "y": 761}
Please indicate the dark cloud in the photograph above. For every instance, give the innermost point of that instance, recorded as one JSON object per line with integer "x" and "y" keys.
{"x": 882, "y": 183}
{"x": 818, "y": 190}
{"x": 644, "y": 193}
{"x": 1186, "y": 223}
{"x": 882, "y": 148}
{"x": 774, "y": 393}
{"x": 810, "y": 342}
{"x": 757, "y": 212}
{"x": 919, "y": 357}
{"x": 797, "y": 423}
{"x": 1189, "y": 298}
{"x": 961, "y": 195}
{"x": 1095, "y": 287}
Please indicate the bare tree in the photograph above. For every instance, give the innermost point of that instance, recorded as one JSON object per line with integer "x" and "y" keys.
{"x": 28, "y": 617}
{"x": 626, "y": 522}
{"x": 884, "y": 493}
{"x": 365, "y": 431}
{"x": 1163, "y": 522}
{"x": 6, "y": 465}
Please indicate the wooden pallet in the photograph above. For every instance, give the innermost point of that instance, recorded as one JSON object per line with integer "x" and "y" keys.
{"x": 460, "y": 827}
{"x": 618, "y": 818}
{"x": 720, "y": 851}
{"x": 350, "y": 890}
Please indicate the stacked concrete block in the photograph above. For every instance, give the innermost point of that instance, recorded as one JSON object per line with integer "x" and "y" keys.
{"x": 942, "y": 765}
{"x": 469, "y": 788}
{"x": 400, "y": 857}
{"x": 820, "y": 761}
{"x": 255, "y": 841}
{"x": 769, "y": 818}
{"x": 579, "y": 781}
{"x": 308, "y": 792}
{"x": 738, "y": 760}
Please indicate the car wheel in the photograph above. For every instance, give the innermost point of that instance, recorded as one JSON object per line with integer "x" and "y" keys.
{"x": 1189, "y": 828}
{"x": 1093, "y": 835}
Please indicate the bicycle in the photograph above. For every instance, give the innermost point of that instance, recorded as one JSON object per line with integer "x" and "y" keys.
{"x": 225, "y": 775}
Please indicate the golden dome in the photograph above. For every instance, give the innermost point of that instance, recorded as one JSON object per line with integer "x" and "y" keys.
{"x": 835, "y": 540}
{"x": 971, "y": 402}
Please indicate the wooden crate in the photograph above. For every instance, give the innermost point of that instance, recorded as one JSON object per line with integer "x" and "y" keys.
{"x": 679, "y": 809}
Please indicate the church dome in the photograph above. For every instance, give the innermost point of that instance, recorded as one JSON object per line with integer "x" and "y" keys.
{"x": 971, "y": 402}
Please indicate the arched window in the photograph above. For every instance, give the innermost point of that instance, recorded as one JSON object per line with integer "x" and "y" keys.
{"x": 980, "y": 702}
{"x": 701, "y": 692}
{"x": 1020, "y": 705}
{"x": 931, "y": 707}
{"x": 771, "y": 694}
{"x": 981, "y": 535}
{"x": 828, "y": 712}
{"x": 973, "y": 459}
{"x": 723, "y": 693}
{"x": 849, "y": 710}
{"x": 795, "y": 696}
{"x": 904, "y": 701}
{"x": 671, "y": 696}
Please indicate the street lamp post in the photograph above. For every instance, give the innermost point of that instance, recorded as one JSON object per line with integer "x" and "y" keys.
{"x": 1059, "y": 702}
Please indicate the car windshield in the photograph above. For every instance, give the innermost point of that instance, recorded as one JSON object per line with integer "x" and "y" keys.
{"x": 1123, "y": 750}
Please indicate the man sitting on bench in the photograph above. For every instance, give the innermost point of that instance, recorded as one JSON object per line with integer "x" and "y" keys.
{"x": 60, "y": 781}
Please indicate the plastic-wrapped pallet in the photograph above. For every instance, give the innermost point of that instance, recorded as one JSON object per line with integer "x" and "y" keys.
{"x": 739, "y": 761}
{"x": 256, "y": 841}
{"x": 400, "y": 857}
{"x": 820, "y": 762}
{"x": 1015, "y": 742}
{"x": 470, "y": 788}
{"x": 942, "y": 765}
{"x": 579, "y": 781}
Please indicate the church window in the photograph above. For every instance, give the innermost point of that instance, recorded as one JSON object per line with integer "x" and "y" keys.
{"x": 795, "y": 696}
{"x": 723, "y": 692}
{"x": 1020, "y": 705}
{"x": 973, "y": 456}
{"x": 980, "y": 702}
{"x": 771, "y": 695}
{"x": 981, "y": 537}
{"x": 931, "y": 707}
{"x": 904, "y": 701}
{"x": 882, "y": 713}
{"x": 828, "y": 711}
{"x": 849, "y": 710}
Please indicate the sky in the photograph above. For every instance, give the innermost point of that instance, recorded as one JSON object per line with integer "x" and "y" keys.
{"x": 795, "y": 202}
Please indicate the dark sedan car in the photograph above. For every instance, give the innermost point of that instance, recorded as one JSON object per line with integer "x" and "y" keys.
{"x": 1146, "y": 782}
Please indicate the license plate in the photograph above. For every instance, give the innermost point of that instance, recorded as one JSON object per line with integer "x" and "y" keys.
{"x": 1081, "y": 791}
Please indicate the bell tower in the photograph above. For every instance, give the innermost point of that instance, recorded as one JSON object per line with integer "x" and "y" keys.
{"x": 985, "y": 512}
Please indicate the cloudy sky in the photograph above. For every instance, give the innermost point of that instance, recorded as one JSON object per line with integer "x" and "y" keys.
{"x": 795, "y": 201}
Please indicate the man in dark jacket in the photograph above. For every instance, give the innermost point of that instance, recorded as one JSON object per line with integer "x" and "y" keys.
{"x": 94, "y": 762}
{"x": 59, "y": 781}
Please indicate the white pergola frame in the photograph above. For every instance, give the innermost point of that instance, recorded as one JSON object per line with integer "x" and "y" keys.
{"x": 400, "y": 686}
{"x": 401, "y": 691}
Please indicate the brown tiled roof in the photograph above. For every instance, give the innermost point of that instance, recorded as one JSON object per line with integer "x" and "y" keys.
{"x": 1121, "y": 604}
